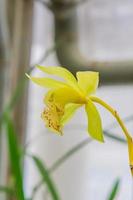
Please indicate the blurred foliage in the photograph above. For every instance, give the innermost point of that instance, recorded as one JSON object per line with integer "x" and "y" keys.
{"x": 15, "y": 158}
{"x": 44, "y": 172}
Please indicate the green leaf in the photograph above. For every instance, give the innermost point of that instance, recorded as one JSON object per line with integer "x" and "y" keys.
{"x": 15, "y": 159}
{"x": 46, "y": 178}
{"x": 94, "y": 121}
{"x": 114, "y": 190}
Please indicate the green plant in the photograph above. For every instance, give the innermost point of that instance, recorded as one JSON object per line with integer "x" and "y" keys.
{"x": 17, "y": 153}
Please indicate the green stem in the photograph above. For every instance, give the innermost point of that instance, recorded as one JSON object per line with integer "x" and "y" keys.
{"x": 122, "y": 125}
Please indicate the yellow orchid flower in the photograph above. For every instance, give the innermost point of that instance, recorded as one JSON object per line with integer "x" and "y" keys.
{"x": 66, "y": 96}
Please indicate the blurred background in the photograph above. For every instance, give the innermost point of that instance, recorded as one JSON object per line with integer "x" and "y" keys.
{"x": 79, "y": 35}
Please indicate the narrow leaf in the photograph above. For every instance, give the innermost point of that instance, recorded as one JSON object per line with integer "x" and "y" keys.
{"x": 14, "y": 154}
{"x": 114, "y": 190}
{"x": 73, "y": 150}
{"x": 46, "y": 178}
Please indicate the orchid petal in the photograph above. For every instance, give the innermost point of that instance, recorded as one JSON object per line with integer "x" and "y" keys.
{"x": 61, "y": 72}
{"x": 88, "y": 81}
{"x": 63, "y": 96}
{"x": 57, "y": 113}
{"x": 69, "y": 111}
{"x": 94, "y": 121}
{"x": 47, "y": 82}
